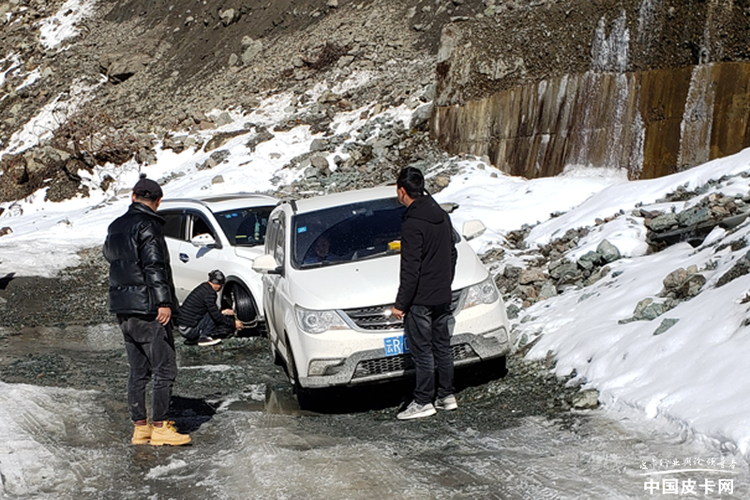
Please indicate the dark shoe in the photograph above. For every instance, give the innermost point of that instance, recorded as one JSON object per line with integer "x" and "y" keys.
{"x": 446, "y": 403}
{"x": 208, "y": 341}
{"x": 191, "y": 342}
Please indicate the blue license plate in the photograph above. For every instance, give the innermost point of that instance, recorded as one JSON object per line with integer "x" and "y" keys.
{"x": 396, "y": 345}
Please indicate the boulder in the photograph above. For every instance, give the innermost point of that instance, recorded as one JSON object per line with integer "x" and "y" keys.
{"x": 532, "y": 275}
{"x": 548, "y": 290}
{"x": 321, "y": 164}
{"x": 586, "y": 400}
{"x": 319, "y": 145}
{"x": 119, "y": 66}
{"x": 252, "y": 49}
{"x": 662, "y": 222}
{"x": 691, "y": 286}
{"x": 675, "y": 279}
{"x": 589, "y": 260}
{"x": 608, "y": 251}
{"x": 665, "y": 325}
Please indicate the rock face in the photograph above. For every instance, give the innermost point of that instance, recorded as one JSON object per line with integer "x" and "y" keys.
{"x": 609, "y": 84}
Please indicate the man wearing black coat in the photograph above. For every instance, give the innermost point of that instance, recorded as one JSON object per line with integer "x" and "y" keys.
{"x": 428, "y": 261}
{"x": 200, "y": 319}
{"x": 141, "y": 294}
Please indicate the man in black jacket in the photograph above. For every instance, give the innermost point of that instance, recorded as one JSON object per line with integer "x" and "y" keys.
{"x": 200, "y": 319}
{"x": 141, "y": 294}
{"x": 428, "y": 261}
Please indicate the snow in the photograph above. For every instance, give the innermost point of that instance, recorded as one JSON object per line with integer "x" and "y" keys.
{"x": 63, "y": 25}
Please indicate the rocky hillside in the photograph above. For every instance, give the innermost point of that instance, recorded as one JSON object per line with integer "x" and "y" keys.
{"x": 531, "y": 86}
{"x": 138, "y": 70}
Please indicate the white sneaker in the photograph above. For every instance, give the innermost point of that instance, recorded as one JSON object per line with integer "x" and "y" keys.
{"x": 447, "y": 403}
{"x": 207, "y": 341}
{"x": 415, "y": 410}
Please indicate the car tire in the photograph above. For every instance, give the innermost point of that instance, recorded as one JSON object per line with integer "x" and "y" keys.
{"x": 242, "y": 302}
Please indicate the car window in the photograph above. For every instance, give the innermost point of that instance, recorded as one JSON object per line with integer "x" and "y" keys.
{"x": 346, "y": 233}
{"x": 279, "y": 252}
{"x": 245, "y": 226}
{"x": 174, "y": 227}
{"x": 273, "y": 229}
{"x": 199, "y": 225}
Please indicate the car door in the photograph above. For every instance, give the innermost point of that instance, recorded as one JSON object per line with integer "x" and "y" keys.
{"x": 195, "y": 262}
{"x": 275, "y": 239}
{"x": 175, "y": 230}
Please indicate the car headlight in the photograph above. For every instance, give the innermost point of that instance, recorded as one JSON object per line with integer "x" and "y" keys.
{"x": 482, "y": 293}
{"x": 319, "y": 321}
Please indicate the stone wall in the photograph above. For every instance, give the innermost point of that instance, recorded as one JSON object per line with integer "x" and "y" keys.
{"x": 622, "y": 103}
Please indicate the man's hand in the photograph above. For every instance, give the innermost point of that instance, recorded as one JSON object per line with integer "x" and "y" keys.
{"x": 397, "y": 313}
{"x": 238, "y": 325}
{"x": 228, "y": 312}
{"x": 163, "y": 315}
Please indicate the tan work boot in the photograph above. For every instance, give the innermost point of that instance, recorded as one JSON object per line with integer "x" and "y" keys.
{"x": 141, "y": 434}
{"x": 167, "y": 434}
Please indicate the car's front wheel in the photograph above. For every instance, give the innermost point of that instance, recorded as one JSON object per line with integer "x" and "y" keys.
{"x": 243, "y": 305}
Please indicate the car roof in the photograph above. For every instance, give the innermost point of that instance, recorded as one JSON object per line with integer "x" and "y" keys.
{"x": 222, "y": 202}
{"x": 344, "y": 198}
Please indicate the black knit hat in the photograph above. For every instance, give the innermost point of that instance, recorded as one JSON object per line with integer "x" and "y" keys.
{"x": 216, "y": 277}
{"x": 148, "y": 189}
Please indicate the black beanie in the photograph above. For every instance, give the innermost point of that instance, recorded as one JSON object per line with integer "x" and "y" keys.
{"x": 147, "y": 189}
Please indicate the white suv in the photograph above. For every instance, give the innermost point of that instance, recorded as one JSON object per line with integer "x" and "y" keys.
{"x": 224, "y": 232}
{"x": 331, "y": 273}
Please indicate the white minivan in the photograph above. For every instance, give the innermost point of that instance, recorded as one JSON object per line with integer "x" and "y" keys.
{"x": 330, "y": 277}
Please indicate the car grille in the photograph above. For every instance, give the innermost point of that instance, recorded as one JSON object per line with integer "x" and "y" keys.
{"x": 378, "y": 318}
{"x": 403, "y": 362}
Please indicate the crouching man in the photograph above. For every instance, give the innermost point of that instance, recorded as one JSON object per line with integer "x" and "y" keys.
{"x": 201, "y": 322}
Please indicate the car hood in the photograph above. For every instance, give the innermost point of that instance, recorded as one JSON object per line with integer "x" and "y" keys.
{"x": 369, "y": 282}
{"x": 251, "y": 253}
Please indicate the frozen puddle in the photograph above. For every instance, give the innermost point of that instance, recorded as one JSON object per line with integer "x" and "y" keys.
{"x": 61, "y": 443}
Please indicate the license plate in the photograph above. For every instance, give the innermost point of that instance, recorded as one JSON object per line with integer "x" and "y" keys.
{"x": 396, "y": 345}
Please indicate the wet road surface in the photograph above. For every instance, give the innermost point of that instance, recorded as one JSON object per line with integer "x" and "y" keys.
{"x": 64, "y": 434}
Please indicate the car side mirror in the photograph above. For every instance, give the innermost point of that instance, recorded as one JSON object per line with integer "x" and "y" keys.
{"x": 473, "y": 229}
{"x": 203, "y": 240}
{"x": 266, "y": 264}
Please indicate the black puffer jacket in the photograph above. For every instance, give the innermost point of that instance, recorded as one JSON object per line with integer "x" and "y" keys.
{"x": 428, "y": 255}
{"x": 202, "y": 300}
{"x": 140, "y": 277}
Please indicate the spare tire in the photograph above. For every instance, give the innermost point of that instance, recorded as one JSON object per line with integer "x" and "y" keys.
{"x": 243, "y": 304}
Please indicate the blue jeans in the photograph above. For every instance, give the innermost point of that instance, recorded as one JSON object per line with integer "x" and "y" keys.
{"x": 427, "y": 329}
{"x": 151, "y": 354}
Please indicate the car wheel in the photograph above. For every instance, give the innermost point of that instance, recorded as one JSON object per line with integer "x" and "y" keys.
{"x": 243, "y": 304}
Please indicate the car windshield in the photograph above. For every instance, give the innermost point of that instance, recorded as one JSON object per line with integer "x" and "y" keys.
{"x": 346, "y": 233}
{"x": 245, "y": 226}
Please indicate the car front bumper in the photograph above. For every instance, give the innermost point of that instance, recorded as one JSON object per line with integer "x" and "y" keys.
{"x": 373, "y": 365}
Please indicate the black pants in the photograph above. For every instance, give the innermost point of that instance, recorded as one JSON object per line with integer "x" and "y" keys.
{"x": 205, "y": 328}
{"x": 151, "y": 353}
{"x": 428, "y": 329}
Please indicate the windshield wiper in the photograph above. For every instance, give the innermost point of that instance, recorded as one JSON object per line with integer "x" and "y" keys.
{"x": 312, "y": 265}
{"x": 376, "y": 255}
